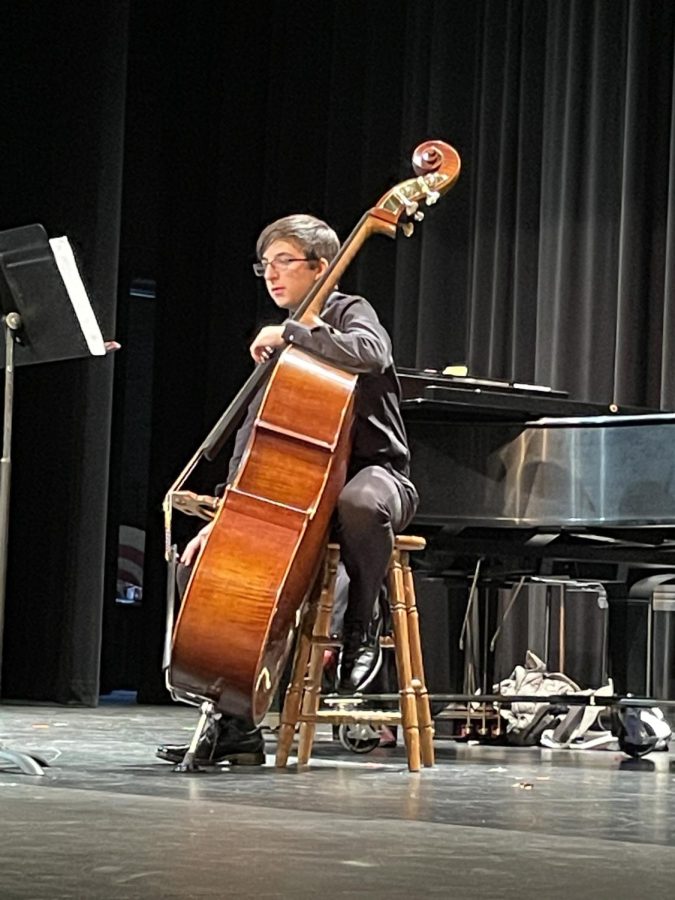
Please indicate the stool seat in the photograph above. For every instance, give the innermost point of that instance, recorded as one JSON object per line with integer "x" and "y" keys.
{"x": 409, "y": 542}
{"x": 303, "y": 696}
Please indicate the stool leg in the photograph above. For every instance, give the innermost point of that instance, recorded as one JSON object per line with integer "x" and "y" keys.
{"x": 310, "y": 704}
{"x": 311, "y": 696}
{"x": 291, "y": 708}
{"x": 403, "y": 665}
{"x": 424, "y": 719}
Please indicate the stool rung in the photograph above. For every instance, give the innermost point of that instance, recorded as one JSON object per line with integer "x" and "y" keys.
{"x": 374, "y": 716}
{"x": 327, "y": 642}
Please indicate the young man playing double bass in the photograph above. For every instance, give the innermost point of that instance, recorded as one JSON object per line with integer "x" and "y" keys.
{"x": 378, "y": 498}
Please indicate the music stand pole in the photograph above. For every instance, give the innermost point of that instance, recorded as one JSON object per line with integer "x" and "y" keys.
{"x": 12, "y": 324}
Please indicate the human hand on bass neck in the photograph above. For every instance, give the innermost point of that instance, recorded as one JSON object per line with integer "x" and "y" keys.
{"x": 269, "y": 339}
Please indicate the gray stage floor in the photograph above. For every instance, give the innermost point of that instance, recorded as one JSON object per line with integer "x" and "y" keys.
{"x": 108, "y": 820}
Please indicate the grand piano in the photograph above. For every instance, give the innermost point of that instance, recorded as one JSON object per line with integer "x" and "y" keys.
{"x": 534, "y": 484}
{"x": 506, "y": 463}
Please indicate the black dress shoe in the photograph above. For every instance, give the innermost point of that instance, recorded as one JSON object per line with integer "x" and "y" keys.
{"x": 221, "y": 742}
{"x": 361, "y": 659}
{"x": 356, "y": 675}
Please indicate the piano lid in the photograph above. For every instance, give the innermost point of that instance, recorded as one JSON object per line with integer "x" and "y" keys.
{"x": 430, "y": 395}
{"x": 420, "y": 378}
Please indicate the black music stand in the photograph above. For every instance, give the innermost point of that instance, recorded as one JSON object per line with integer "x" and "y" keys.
{"x": 46, "y": 316}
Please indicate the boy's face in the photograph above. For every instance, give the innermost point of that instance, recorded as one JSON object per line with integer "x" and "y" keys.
{"x": 288, "y": 283}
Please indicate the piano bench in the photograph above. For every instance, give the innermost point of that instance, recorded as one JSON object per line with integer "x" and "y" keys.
{"x": 303, "y": 696}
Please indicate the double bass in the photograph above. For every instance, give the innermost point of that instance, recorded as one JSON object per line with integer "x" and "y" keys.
{"x": 245, "y": 594}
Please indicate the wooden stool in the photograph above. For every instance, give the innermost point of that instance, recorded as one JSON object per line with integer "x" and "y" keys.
{"x": 303, "y": 695}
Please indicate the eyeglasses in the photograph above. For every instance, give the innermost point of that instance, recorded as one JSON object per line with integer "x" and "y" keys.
{"x": 280, "y": 263}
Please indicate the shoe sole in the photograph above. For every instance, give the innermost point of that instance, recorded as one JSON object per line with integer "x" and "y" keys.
{"x": 234, "y": 759}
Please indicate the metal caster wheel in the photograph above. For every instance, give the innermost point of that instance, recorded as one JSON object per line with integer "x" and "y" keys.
{"x": 358, "y": 738}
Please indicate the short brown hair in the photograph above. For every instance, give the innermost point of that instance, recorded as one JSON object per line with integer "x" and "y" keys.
{"x": 317, "y": 239}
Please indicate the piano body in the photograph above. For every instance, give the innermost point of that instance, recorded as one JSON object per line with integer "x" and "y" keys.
{"x": 534, "y": 484}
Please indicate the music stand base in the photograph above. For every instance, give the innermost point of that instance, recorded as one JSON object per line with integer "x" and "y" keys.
{"x": 14, "y": 759}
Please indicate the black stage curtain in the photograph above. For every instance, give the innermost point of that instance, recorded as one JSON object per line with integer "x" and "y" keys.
{"x": 551, "y": 261}
{"x": 61, "y": 116}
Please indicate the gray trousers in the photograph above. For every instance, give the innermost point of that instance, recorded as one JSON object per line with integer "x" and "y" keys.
{"x": 373, "y": 506}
